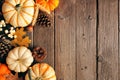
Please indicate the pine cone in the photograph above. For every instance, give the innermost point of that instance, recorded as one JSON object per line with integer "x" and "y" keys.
{"x": 43, "y": 20}
{"x": 5, "y": 47}
{"x": 39, "y": 54}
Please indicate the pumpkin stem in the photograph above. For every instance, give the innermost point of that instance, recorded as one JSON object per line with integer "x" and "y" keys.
{"x": 17, "y": 7}
{"x": 46, "y": 0}
{"x": 29, "y": 73}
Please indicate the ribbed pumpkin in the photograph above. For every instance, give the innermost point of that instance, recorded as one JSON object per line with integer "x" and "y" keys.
{"x": 19, "y": 59}
{"x": 47, "y": 5}
{"x": 18, "y": 12}
{"x": 41, "y": 71}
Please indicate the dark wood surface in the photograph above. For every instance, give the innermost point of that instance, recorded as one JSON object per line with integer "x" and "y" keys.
{"x": 83, "y": 41}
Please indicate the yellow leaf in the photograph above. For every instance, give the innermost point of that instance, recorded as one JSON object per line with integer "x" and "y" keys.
{"x": 20, "y": 32}
{"x": 22, "y": 39}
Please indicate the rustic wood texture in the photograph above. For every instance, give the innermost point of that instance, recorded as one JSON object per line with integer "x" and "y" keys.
{"x": 65, "y": 55}
{"x": 86, "y": 39}
{"x": 108, "y": 40}
{"x": 82, "y": 43}
{"x": 44, "y": 37}
{"x": 119, "y": 43}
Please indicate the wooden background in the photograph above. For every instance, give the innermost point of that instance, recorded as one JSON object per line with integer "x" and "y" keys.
{"x": 83, "y": 41}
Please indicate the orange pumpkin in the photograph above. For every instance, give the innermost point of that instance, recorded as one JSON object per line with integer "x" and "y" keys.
{"x": 47, "y": 5}
{"x": 3, "y": 71}
{"x": 2, "y": 78}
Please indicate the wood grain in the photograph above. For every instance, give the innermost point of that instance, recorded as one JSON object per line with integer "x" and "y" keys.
{"x": 44, "y": 37}
{"x": 108, "y": 40}
{"x": 86, "y": 39}
{"x": 65, "y": 55}
{"x": 119, "y": 44}
{"x": 79, "y": 36}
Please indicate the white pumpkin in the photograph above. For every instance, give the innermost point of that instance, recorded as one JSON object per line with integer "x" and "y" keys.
{"x": 18, "y": 13}
{"x": 19, "y": 59}
{"x": 41, "y": 71}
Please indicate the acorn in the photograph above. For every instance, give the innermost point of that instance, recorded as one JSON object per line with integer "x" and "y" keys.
{"x": 30, "y": 28}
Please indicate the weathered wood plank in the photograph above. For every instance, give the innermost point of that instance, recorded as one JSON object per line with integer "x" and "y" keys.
{"x": 108, "y": 40}
{"x": 44, "y": 37}
{"x": 65, "y": 41}
{"x": 119, "y": 45}
{"x": 86, "y": 39}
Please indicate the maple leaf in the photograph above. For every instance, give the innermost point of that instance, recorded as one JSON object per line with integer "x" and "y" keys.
{"x": 22, "y": 39}
{"x": 25, "y": 42}
{"x": 20, "y": 32}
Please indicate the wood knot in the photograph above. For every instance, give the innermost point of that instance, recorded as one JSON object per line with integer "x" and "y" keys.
{"x": 83, "y": 68}
{"x": 100, "y": 58}
{"x": 83, "y": 34}
{"x": 89, "y": 17}
{"x": 61, "y": 17}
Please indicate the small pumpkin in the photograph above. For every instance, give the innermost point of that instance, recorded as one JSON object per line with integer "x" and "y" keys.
{"x": 2, "y": 77}
{"x": 4, "y": 71}
{"x": 41, "y": 71}
{"x": 18, "y": 12}
{"x": 19, "y": 59}
{"x": 47, "y": 5}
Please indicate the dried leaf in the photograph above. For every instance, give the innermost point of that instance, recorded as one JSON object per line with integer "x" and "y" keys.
{"x": 22, "y": 39}
{"x": 21, "y": 78}
{"x": 12, "y": 77}
{"x": 25, "y": 41}
{"x": 20, "y": 32}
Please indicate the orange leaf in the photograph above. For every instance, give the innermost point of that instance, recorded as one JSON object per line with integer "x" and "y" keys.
{"x": 22, "y": 39}
{"x": 20, "y": 32}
